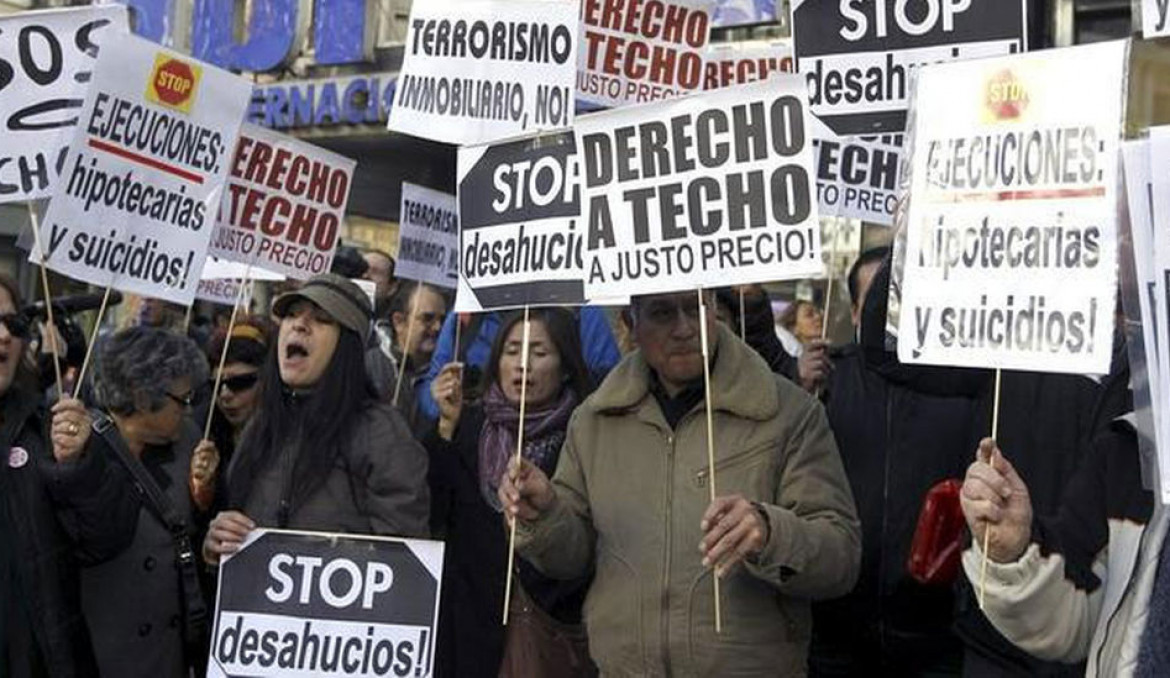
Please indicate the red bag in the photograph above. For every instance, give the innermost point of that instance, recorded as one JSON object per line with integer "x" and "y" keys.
{"x": 938, "y": 537}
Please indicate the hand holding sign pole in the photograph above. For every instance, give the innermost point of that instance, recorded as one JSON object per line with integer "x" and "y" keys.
{"x": 987, "y": 531}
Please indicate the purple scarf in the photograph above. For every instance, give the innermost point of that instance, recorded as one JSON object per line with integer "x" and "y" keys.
{"x": 544, "y": 432}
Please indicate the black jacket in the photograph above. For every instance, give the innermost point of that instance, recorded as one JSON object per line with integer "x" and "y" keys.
{"x": 44, "y": 633}
{"x": 471, "y": 636}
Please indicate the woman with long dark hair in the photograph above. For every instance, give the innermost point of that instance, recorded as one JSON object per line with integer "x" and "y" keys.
{"x": 322, "y": 452}
{"x": 470, "y": 448}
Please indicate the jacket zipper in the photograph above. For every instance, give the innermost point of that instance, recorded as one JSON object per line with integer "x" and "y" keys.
{"x": 670, "y": 439}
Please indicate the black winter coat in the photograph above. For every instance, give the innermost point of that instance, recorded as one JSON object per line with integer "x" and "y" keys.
{"x": 130, "y": 585}
{"x": 42, "y": 631}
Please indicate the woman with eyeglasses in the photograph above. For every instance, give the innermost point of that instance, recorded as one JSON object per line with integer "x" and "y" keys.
{"x": 121, "y": 484}
{"x": 42, "y": 632}
{"x": 322, "y": 452}
{"x": 238, "y": 394}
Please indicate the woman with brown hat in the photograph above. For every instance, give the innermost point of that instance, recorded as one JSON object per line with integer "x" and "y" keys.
{"x": 322, "y": 452}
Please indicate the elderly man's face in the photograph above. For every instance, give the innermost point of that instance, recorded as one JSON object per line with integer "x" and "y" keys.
{"x": 668, "y": 333}
{"x": 378, "y": 273}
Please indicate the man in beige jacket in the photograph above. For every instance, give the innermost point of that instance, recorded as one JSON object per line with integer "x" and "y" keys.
{"x": 630, "y": 500}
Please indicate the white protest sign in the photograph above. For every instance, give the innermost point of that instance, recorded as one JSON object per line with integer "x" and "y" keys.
{"x": 225, "y": 291}
{"x": 858, "y": 178}
{"x": 521, "y": 236}
{"x": 712, "y": 189}
{"x": 738, "y": 63}
{"x": 1011, "y": 258}
{"x": 634, "y": 52}
{"x": 859, "y": 56}
{"x": 215, "y": 268}
{"x": 1154, "y": 18}
{"x": 428, "y": 237}
{"x": 286, "y": 597}
{"x": 46, "y": 62}
{"x": 477, "y": 70}
{"x": 136, "y": 204}
{"x": 284, "y": 204}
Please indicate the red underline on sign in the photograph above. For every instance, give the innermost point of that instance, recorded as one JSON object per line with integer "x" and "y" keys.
{"x": 1006, "y": 196}
{"x": 143, "y": 160}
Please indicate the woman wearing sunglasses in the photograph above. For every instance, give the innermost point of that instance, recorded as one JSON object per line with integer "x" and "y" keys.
{"x": 238, "y": 397}
{"x": 120, "y": 482}
{"x": 42, "y": 631}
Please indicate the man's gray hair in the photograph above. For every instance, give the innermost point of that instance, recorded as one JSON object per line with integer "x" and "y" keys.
{"x": 138, "y": 364}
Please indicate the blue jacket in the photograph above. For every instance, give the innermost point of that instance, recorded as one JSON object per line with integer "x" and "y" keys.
{"x": 601, "y": 351}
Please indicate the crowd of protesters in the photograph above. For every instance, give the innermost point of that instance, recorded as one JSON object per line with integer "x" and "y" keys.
{"x": 854, "y": 492}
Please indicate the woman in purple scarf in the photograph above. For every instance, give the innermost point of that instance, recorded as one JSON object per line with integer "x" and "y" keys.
{"x": 469, "y": 450}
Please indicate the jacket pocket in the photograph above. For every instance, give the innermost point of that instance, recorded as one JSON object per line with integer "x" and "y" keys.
{"x": 762, "y": 632}
{"x": 756, "y": 455}
{"x": 613, "y": 616}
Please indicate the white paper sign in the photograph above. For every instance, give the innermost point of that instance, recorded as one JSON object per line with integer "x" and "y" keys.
{"x": 858, "y": 178}
{"x": 284, "y": 204}
{"x": 713, "y": 189}
{"x": 136, "y": 203}
{"x": 1012, "y": 230}
{"x": 634, "y": 52}
{"x": 478, "y": 71}
{"x": 48, "y": 57}
{"x": 428, "y": 237}
{"x": 738, "y": 63}
{"x": 1154, "y": 18}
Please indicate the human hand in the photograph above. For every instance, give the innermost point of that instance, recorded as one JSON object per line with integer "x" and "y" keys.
{"x": 201, "y": 478}
{"x": 995, "y": 496}
{"x": 814, "y": 365}
{"x": 525, "y": 491}
{"x": 447, "y": 390}
{"x": 733, "y": 529}
{"x": 70, "y": 429}
{"x": 225, "y": 535}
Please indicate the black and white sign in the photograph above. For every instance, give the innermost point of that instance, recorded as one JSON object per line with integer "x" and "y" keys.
{"x": 859, "y": 55}
{"x": 296, "y": 604}
{"x": 522, "y": 239}
{"x": 477, "y": 71}
{"x": 428, "y": 237}
{"x": 46, "y": 62}
{"x": 708, "y": 190}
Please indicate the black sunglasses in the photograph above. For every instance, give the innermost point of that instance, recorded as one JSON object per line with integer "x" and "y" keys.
{"x": 240, "y": 382}
{"x": 185, "y": 400}
{"x": 17, "y": 324}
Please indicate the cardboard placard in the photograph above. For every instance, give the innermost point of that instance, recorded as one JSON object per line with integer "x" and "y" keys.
{"x": 428, "y": 237}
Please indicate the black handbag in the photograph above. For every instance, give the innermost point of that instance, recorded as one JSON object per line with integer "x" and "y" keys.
{"x": 195, "y": 614}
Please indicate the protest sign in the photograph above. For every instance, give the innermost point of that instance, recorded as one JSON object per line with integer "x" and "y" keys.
{"x": 712, "y": 189}
{"x": 224, "y": 291}
{"x": 284, "y": 204}
{"x": 521, "y": 237}
{"x": 46, "y": 62}
{"x": 310, "y": 604}
{"x": 145, "y": 172}
{"x": 428, "y": 237}
{"x": 637, "y": 51}
{"x": 1011, "y": 247}
{"x": 220, "y": 281}
{"x": 477, "y": 71}
{"x": 1154, "y": 18}
{"x": 738, "y": 63}
{"x": 858, "y": 178}
{"x": 859, "y": 56}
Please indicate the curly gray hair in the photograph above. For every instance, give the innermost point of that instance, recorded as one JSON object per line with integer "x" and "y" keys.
{"x": 139, "y": 364}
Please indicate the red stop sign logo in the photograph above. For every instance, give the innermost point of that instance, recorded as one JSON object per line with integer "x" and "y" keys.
{"x": 174, "y": 82}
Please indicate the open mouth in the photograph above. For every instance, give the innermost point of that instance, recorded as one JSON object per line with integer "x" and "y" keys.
{"x": 293, "y": 351}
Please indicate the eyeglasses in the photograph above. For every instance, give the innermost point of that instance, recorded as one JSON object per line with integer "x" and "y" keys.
{"x": 240, "y": 382}
{"x": 17, "y": 324}
{"x": 185, "y": 400}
